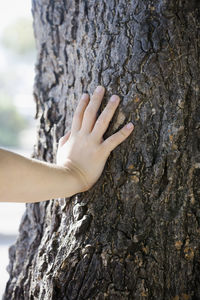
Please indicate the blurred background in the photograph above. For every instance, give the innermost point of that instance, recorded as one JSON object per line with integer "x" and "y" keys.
{"x": 17, "y": 107}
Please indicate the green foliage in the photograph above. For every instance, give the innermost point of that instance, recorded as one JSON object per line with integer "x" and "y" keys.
{"x": 11, "y": 122}
{"x": 19, "y": 37}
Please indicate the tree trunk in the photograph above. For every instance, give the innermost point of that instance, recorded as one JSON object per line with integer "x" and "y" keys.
{"x": 136, "y": 233}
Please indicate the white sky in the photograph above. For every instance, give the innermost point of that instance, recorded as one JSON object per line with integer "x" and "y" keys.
{"x": 18, "y": 73}
{"x": 11, "y": 10}
{"x": 10, "y": 213}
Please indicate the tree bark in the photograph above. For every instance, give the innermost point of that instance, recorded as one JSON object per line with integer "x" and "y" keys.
{"x": 136, "y": 233}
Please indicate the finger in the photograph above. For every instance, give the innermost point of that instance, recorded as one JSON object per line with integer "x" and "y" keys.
{"x": 90, "y": 113}
{"x": 79, "y": 112}
{"x": 64, "y": 138}
{"x": 105, "y": 117}
{"x": 114, "y": 140}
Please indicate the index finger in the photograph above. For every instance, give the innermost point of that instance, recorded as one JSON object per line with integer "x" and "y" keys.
{"x": 79, "y": 112}
{"x": 117, "y": 138}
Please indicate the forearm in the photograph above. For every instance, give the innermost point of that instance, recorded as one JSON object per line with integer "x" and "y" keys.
{"x": 30, "y": 180}
{"x": 81, "y": 157}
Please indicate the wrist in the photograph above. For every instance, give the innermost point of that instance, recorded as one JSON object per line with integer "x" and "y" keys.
{"x": 77, "y": 173}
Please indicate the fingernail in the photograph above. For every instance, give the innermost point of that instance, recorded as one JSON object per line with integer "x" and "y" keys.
{"x": 114, "y": 98}
{"x": 99, "y": 89}
{"x": 84, "y": 96}
{"x": 129, "y": 126}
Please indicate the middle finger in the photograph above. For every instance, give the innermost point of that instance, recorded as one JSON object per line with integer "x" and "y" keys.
{"x": 105, "y": 117}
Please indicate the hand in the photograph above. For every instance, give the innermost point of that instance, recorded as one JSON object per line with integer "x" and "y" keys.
{"x": 83, "y": 149}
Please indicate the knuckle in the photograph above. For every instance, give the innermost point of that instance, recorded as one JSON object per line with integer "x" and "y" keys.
{"x": 110, "y": 106}
{"x": 103, "y": 119}
{"x": 106, "y": 148}
{"x": 90, "y": 109}
{"x": 109, "y": 110}
{"x": 98, "y": 122}
{"x": 77, "y": 114}
{"x": 122, "y": 133}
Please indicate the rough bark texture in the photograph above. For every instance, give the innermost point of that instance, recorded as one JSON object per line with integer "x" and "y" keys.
{"x": 136, "y": 233}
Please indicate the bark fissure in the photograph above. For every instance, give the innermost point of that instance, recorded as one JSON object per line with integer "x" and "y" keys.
{"x": 135, "y": 234}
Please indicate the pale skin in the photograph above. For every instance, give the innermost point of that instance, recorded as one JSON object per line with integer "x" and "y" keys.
{"x": 81, "y": 157}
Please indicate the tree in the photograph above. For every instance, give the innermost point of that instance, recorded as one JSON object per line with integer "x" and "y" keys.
{"x": 136, "y": 233}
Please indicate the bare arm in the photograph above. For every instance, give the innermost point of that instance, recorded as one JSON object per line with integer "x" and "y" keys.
{"x": 81, "y": 156}
{"x": 30, "y": 180}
